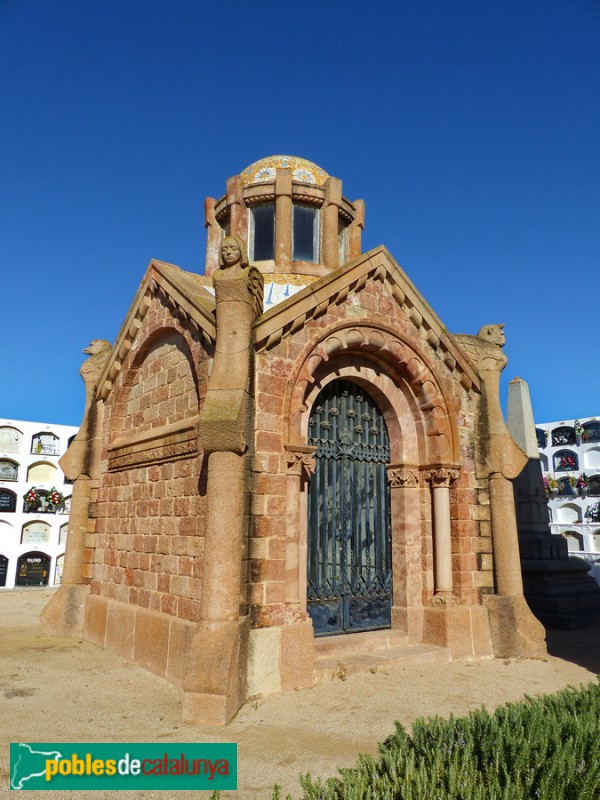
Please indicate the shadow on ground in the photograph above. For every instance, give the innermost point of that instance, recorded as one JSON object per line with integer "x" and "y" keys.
{"x": 580, "y": 646}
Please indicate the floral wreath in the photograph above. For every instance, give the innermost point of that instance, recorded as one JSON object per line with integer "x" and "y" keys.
{"x": 54, "y": 497}
{"x": 32, "y": 498}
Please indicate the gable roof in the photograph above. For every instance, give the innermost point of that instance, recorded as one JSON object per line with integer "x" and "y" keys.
{"x": 287, "y": 317}
{"x": 184, "y": 291}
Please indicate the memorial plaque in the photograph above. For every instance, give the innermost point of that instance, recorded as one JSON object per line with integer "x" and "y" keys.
{"x": 36, "y": 533}
{"x": 32, "y": 569}
{"x": 8, "y": 501}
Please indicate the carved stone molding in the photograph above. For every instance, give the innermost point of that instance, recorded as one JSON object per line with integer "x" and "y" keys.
{"x": 300, "y": 460}
{"x": 444, "y": 599}
{"x": 442, "y": 476}
{"x": 403, "y": 477}
{"x": 168, "y": 443}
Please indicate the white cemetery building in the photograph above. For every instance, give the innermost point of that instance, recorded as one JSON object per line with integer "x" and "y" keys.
{"x": 570, "y": 461}
{"x": 34, "y": 502}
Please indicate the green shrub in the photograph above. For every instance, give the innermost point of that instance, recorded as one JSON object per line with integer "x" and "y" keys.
{"x": 541, "y": 749}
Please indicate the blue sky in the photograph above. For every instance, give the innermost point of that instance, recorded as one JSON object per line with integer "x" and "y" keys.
{"x": 471, "y": 129}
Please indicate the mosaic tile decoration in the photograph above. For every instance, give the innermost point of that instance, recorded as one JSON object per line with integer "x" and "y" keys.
{"x": 303, "y": 171}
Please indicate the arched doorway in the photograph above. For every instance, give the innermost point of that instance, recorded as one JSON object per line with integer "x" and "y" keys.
{"x": 349, "y": 586}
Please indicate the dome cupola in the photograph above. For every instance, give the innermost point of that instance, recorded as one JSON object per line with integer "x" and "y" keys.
{"x": 292, "y": 216}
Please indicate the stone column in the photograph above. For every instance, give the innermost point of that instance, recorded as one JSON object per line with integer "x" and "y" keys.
{"x": 215, "y": 679}
{"x": 238, "y": 212}
{"x": 355, "y": 231}
{"x": 64, "y": 614}
{"x": 213, "y": 237}
{"x": 515, "y": 631}
{"x": 441, "y": 480}
{"x": 329, "y": 217}
{"x": 407, "y": 604}
{"x": 283, "y": 219}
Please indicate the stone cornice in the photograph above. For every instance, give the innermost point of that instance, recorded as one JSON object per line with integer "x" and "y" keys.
{"x": 183, "y": 291}
{"x": 333, "y": 289}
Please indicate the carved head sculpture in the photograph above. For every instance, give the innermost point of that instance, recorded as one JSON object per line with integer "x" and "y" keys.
{"x": 494, "y": 334}
{"x": 97, "y": 346}
{"x": 232, "y": 251}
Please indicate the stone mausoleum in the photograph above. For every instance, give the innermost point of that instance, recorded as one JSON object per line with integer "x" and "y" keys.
{"x": 290, "y": 458}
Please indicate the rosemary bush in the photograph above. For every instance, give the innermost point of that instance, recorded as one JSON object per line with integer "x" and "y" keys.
{"x": 540, "y": 749}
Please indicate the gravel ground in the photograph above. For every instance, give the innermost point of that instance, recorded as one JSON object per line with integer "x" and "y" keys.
{"x": 54, "y": 690}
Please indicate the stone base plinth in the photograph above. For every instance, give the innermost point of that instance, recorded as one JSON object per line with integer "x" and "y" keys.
{"x": 463, "y": 630}
{"x": 64, "y": 614}
{"x": 155, "y": 641}
{"x": 516, "y": 633}
{"x": 215, "y": 684}
{"x": 409, "y": 620}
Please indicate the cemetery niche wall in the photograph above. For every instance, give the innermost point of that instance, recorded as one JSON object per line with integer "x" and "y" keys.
{"x": 289, "y": 452}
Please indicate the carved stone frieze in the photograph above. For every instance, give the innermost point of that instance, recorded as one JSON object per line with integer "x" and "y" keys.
{"x": 169, "y": 443}
{"x": 403, "y": 477}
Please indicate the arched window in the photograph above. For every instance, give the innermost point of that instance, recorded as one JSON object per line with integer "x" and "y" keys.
{"x": 33, "y": 569}
{"x": 261, "y": 236}
{"x": 305, "y": 233}
{"x": 45, "y": 443}
{"x": 565, "y": 434}
{"x": 10, "y": 439}
{"x": 343, "y": 244}
{"x": 8, "y": 500}
{"x": 542, "y": 438}
{"x": 565, "y": 461}
{"x": 9, "y": 470}
{"x": 591, "y": 432}
{"x": 596, "y": 539}
{"x": 3, "y": 570}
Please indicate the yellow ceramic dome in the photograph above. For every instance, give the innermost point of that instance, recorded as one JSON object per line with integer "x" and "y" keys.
{"x": 303, "y": 171}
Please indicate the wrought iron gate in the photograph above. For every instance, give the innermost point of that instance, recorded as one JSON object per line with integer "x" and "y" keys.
{"x": 349, "y": 549}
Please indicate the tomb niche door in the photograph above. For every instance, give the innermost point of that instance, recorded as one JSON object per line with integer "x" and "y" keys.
{"x": 349, "y": 585}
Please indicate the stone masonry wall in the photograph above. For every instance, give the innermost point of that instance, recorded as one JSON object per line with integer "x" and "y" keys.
{"x": 150, "y": 518}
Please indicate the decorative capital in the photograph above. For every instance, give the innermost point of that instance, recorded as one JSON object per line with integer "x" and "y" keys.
{"x": 300, "y": 460}
{"x": 442, "y": 476}
{"x": 403, "y": 477}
